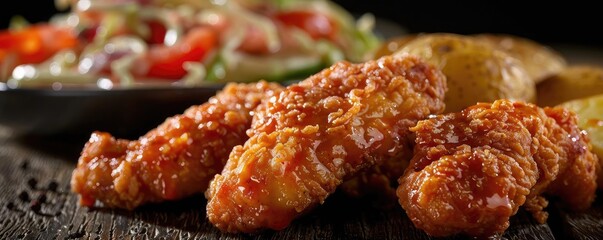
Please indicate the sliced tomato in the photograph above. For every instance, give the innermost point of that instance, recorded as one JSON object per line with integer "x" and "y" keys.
{"x": 36, "y": 43}
{"x": 167, "y": 62}
{"x": 88, "y": 34}
{"x": 158, "y": 31}
{"x": 254, "y": 42}
{"x": 316, "y": 24}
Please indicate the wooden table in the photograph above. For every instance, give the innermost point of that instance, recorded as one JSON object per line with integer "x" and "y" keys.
{"x": 37, "y": 204}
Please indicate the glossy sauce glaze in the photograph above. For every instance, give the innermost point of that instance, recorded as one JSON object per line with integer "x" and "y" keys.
{"x": 175, "y": 160}
{"x": 472, "y": 170}
{"x": 314, "y": 135}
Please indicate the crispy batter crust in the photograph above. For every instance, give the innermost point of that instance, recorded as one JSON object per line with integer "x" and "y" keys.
{"x": 472, "y": 170}
{"x": 318, "y": 133}
{"x": 175, "y": 160}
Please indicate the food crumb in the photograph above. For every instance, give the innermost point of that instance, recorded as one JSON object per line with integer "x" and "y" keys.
{"x": 35, "y": 206}
{"x": 32, "y": 183}
{"x": 41, "y": 198}
{"x": 52, "y": 186}
{"x": 24, "y": 196}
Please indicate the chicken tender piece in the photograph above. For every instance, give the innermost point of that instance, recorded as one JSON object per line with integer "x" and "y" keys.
{"x": 472, "y": 170}
{"x": 173, "y": 161}
{"x": 315, "y": 134}
{"x": 378, "y": 184}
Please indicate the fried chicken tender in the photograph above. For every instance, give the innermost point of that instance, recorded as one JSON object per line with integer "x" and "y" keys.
{"x": 472, "y": 170}
{"x": 378, "y": 184}
{"x": 175, "y": 160}
{"x": 315, "y": 134}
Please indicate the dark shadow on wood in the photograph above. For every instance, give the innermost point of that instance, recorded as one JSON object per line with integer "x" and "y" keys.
{"x": 338, "y": 218}
{"x": 569, "y": 224}
{"x": 61, "y": 148}
{"x": 172, "y": 214}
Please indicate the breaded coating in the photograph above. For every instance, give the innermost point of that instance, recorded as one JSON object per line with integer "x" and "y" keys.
{"x": 315, "y": 134}
{"x": 472, "y": 170}
{"x": 175, "y": 160}
{"x": 378, "y": 184}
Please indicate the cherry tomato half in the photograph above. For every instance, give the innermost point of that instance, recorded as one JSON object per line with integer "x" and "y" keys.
{"x": 317, "y": 25}
{"x": 167, "y": 62}
{"x": 36, "y": 43}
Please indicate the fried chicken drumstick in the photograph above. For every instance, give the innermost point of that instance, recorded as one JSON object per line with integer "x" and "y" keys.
{"x": 175, "y": 160}
{"x": 315, "y": 134}
{"x": 472, "y": 170}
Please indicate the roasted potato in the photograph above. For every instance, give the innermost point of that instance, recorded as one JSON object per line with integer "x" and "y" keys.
{"x": 392, "y": 45}
{"x": 573, "y": 82}
{"x": 540, "y": 61}
{"x": 476, "y": 71}
{"x": 590, "y": 119}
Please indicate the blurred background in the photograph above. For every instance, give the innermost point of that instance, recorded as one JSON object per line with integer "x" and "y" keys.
{"x": 554, "y": 23}
{"x": 572, "y": 28}
{"x": 564, "y": 22}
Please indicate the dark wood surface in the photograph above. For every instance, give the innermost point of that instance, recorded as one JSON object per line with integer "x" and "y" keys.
{"x": 37, "y": 204}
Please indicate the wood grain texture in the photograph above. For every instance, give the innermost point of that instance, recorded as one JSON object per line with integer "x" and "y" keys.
{"x": 37, "y": 204}
{"x": 580, "y": 225}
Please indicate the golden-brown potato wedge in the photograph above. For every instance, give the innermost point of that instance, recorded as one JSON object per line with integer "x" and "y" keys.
{"x": 476, "y": 71}
{"x": 590, "y": 118}
{"x": 540, "y": 61}
{"x": 573, "y": 82}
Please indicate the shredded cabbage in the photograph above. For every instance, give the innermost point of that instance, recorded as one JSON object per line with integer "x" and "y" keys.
{"x": 121, "y": 36}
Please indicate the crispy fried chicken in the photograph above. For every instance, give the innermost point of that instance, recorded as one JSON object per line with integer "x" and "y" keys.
{"x": 318, "y": 133}
{"x": 472, "y": 170}
{"x": 175, "y": 160}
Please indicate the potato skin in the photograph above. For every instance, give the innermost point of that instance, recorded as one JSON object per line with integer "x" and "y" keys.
{"x": 475, "y": 71}
{"x": 590, "y": 119}
{"x": 573, "y": 82}
{"x": 394, "y": 44}
{"x": 540, "y": 61}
